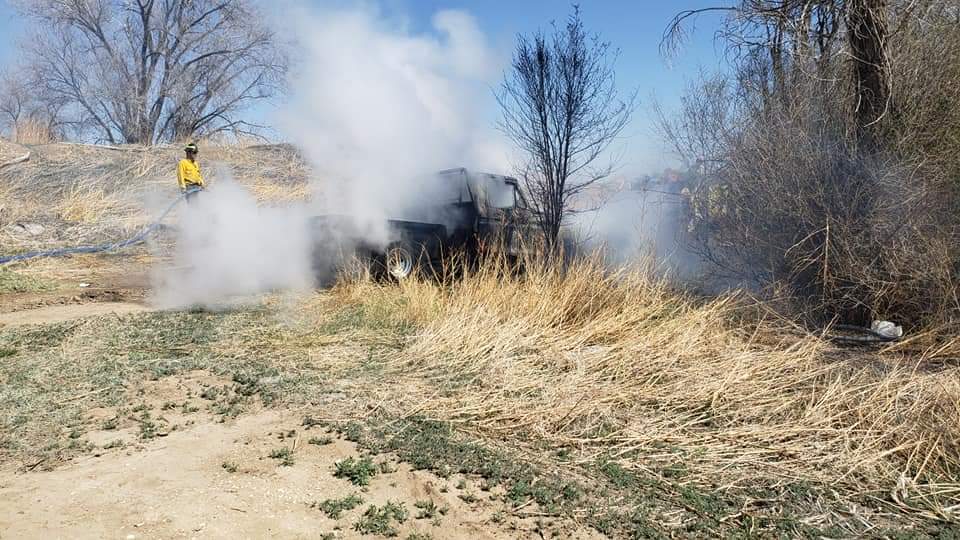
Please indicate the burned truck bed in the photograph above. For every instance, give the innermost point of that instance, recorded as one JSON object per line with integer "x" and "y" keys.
{"x": 477, "y": 209}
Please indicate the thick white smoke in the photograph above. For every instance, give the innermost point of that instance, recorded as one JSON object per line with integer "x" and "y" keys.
{"x": 376, "y": 106}
{"x": 644, "y": 225}
{"x": 229, "y": 247}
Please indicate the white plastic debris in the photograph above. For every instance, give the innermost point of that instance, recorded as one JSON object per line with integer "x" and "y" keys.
{"x": 31, "y": 229}
{"x": 887, "y": 329}
{"x": 84, "y": 285}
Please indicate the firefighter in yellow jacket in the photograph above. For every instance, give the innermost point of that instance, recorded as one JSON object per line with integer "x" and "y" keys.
{"x": 188, "y": 173}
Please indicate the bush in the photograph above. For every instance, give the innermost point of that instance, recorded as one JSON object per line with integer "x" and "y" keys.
{"x": 843, "y": 235}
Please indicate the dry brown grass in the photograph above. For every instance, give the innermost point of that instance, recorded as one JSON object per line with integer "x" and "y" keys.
{"x": 30, "y": 131}
{"x": 620, "y": 366}
{"x": 87, "y": 206}
{"x": 269, "y": 192}
{"x": 86, "y": 194}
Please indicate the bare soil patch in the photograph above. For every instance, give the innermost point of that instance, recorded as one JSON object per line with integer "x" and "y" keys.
{"x": 207, "y": 478}
{"x": 65, "y": 312}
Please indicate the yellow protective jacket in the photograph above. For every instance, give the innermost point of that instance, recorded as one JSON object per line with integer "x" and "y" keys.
{"x": 188, "y": 174}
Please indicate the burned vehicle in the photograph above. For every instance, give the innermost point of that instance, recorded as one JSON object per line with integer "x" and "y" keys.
{"x": 464, "y": 211}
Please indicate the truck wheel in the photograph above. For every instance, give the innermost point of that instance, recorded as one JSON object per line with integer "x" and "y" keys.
{"x": 399, "y": 261}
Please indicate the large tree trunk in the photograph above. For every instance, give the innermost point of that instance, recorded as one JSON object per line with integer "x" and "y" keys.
{"x": 867, "y": 28}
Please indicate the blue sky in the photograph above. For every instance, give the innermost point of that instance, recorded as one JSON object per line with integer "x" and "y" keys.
{"x": 633, "y": 26}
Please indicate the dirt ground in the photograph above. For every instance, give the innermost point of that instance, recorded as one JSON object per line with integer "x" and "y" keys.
{"x": 179, "y": 486}
{"x": 66, "y": 312}
{"x": 203, "y": 477}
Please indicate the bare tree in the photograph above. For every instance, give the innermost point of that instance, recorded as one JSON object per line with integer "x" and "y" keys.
{"x": 867, "y": 31}
{"x": 776, "y": 43}
{"x": 561, "y": 108}
{"x": 27, "y": 116}
{"x": 146, "y": 71}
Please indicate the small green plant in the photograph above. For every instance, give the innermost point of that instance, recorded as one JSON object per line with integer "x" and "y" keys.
{"x": 468, "y": 497}
{"x": 419, "y": 536}
{"x": 283, "y": 455}
{"x": 309, "y": 422}
{"x": 333, "y": 508}
{"x": 619, "y": 476}
{"x": 358, "y": 471}
{"x": 12, "y": 282}
{"x": 430, "y": 510}
{"x": 189, "y": 409}
{"x": 320, "y": 441}
{"x": 229, "y": 466}
{"x": 352, "y": 432}
{"x": 379, "y": 520}
{"x": 487, "y": 484}
{"x": 148, "y": 428}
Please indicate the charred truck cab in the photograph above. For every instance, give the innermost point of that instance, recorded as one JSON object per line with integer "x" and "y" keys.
{"x": 458, "y": 212}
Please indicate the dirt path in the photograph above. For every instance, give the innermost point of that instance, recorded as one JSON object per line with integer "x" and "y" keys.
{"x": 66, "y": 312}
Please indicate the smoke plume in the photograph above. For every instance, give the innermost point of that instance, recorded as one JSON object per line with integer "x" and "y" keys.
{"x": 641, "y": 225}
{"x": 376, "y": 107}
{"x": 228, "y": 247}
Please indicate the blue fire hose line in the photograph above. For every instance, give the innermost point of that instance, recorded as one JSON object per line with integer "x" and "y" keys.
{"x": 112, "y": 246}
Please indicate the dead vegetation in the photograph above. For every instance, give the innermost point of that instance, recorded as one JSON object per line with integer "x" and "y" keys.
{"x": 607, "y": 398}
{"x": 826, "y": 158}
{"x": 84, "y": 194}
{"x": 611, "y": 384}
{"x": 620, "y": 367}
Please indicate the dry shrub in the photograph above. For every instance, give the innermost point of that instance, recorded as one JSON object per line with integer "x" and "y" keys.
{"x": 620, "y": 366}
{"x": 925, "y": 65}
{"x": 31, "y": 131}
{"x": 796, "y": 197}
{"x": 87, "y": 205}
{"x": 850, "y": 237}
{"x": 270, "y": 192}
{"x": 787, "y": 201}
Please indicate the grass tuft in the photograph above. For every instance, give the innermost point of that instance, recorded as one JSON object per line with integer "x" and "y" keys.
{"x": 333, "y": 508}
{"x": 381, "y": 520}
{"x": 284, "y": 455}
{"x": 13, "y": 282}
{"x": 358, "y": 471}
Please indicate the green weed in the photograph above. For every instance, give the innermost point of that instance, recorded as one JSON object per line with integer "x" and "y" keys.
{"x": 358, "y": 471}
{"x": 320, "y": 441}
{"x": 12, "y": 282}
{"x": 380, "y": 520}
{"x": 429, "y": 509}
{"x": 333, "y": 508}
{"x": 284, "y": 455}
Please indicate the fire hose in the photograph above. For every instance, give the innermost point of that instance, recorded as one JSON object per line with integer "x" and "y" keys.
{"x": 111, "y": 246}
